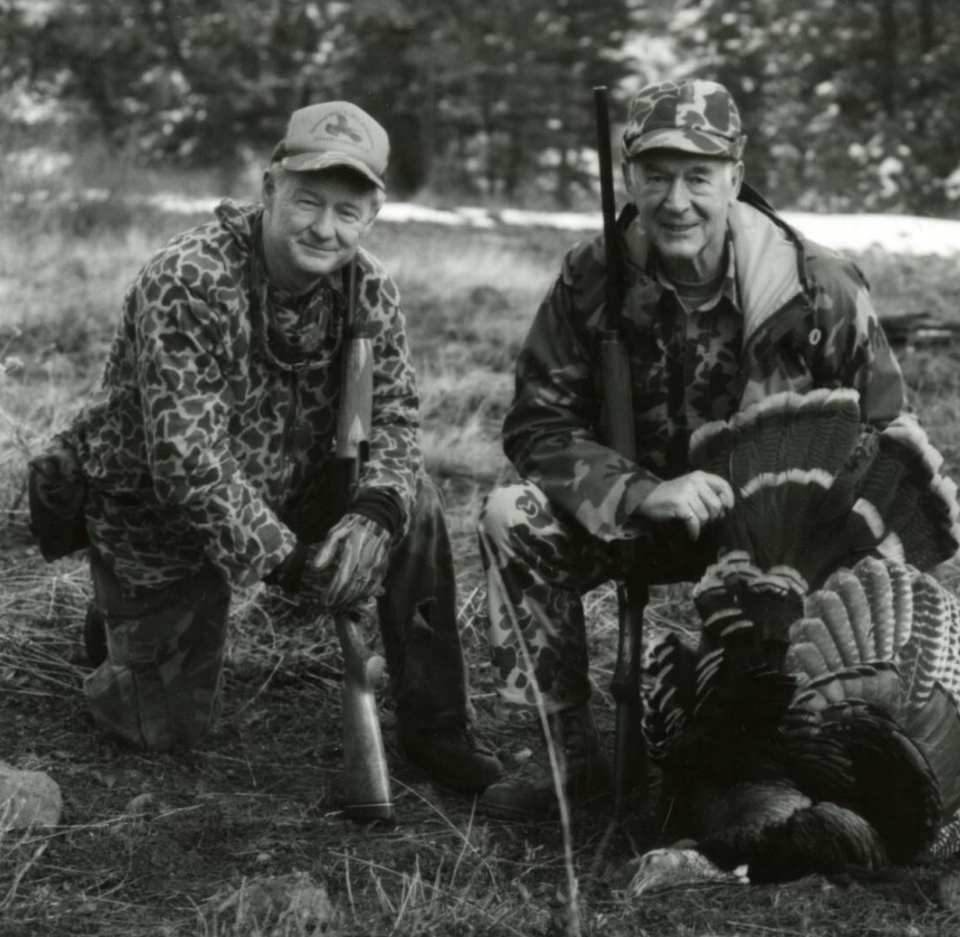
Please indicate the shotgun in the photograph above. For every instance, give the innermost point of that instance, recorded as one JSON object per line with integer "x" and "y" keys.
{"x": 618, "y": 430}
{"x": 366, "y": 781}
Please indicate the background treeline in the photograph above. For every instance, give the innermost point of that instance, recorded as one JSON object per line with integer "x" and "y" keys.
{"x": 849, "y": 104}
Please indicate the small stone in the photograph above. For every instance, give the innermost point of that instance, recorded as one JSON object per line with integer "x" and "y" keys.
{"x": 28, "y": 798}
{"x": 142, "y": 805}
{"x": 948, "y": 890}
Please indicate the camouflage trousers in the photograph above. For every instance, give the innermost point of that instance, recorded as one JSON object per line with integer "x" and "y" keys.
{"x": 545, "y": 562}
{"x": 160, "y": 686}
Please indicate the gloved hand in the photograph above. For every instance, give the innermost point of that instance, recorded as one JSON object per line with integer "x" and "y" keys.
{"x": 352, "y": 561}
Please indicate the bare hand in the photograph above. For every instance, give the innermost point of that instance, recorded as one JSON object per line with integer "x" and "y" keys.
{"x": 695, "y": 499}
{"x": 359, "y": 548}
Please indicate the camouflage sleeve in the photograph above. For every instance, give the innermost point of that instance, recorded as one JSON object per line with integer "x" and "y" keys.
{"x": 395, "y": 458}
{"x": 186, "y": 403}
{"x": 854, "y": 347}
{"x": 551, "y": 429}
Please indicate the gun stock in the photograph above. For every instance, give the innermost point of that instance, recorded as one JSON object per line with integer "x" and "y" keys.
{"x": 366, "y": 780}
{"x": 617, "y": 415}
{"x": 365, "y": 774}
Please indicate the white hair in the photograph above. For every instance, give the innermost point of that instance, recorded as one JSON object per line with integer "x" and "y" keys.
{"x": 286, "y": 179}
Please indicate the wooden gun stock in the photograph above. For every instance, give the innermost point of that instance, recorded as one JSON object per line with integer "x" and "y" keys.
{"x": 617, "y": 414}
{"x": 365, "y": 774}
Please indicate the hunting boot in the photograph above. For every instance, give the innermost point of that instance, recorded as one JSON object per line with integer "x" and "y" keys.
{"x": 453, "y": 757}
{"x": 530, "y": 792}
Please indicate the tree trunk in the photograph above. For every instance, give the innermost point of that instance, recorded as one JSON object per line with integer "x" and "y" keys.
{"x": 888, "y": 63}
{"x": 562, "y": 194}
{"x": 428, "y": 126}
{"x": 928, "y": 36}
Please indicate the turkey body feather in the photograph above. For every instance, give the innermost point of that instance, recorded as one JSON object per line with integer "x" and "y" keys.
{"x": 816, "y": 725}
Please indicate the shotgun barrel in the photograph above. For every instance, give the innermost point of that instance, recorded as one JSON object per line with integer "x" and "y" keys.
{"x": 618, "y": 431}
{"x": 366, "y": 779}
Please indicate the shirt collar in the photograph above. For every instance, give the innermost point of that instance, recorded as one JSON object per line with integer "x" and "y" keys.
{"x": 728, "y": 290}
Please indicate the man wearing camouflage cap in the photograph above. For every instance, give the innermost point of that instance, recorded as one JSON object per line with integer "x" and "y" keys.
{"x": 724, "y": 304}
{"x": 209, "y": 456}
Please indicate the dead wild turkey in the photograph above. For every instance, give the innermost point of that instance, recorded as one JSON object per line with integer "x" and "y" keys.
{"x": 813, "y": 730}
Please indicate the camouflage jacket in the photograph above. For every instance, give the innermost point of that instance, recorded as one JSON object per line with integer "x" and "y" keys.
{"x": 807, "y": 322}
{"x": 217, "y": 398}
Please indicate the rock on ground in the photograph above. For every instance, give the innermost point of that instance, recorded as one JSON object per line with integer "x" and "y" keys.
{"x": 28, "y": 799}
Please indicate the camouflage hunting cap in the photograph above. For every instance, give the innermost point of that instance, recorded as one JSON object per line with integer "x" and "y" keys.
{"x": 691, "y": 115}
{"x": 336, "y": 133}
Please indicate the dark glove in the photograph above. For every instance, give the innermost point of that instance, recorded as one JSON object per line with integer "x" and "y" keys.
{"x": 358, "y": 549}
{"x": 293, "y": 574}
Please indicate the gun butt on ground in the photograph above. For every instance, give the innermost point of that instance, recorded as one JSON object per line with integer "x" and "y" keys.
{"x": 366, "y": 780}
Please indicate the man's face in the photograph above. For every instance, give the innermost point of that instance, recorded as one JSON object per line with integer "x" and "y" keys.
{"x": 312, "y": 225}
{"x": 684, "y": 200}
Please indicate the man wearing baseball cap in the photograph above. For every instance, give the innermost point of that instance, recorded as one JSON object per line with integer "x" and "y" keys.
{"x": 209, "y": 456}
{"x": 724, "y": 304}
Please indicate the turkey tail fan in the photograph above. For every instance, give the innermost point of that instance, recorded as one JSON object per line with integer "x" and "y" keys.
{"x": 817, "y": 490}
{"x": 918, "y": 505}
{"x": 782, "y": 458}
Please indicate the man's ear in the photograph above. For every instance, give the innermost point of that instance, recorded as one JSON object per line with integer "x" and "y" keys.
{"x": 376, "y": 204}
{"x": 737, "y": 179}
{"x": 268, "y": 188}
{"x": 628, "y": 169}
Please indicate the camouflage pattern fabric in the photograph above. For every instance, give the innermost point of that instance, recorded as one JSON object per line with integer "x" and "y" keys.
{"x": 807, "y": 322}
{"x": 545, "y": 563}
{"x": 218, "y": 395}
{"x": 701, "y": 357}
{"x": 692, "y": 116}
{"x": 160, "y": 685}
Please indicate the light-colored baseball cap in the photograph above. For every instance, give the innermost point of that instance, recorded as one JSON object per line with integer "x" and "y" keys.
{"x": 691, "y": 115}
{"x": 335, "y": 133}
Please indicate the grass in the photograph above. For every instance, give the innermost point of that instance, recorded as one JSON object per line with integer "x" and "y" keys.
{"x": 245, "y": 836}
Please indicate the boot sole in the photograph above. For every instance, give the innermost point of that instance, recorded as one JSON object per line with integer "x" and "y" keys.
{"x": 516, "y": 814}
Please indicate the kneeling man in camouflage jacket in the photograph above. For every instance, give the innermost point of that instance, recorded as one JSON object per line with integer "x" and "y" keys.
{"x": 208, "y": 456}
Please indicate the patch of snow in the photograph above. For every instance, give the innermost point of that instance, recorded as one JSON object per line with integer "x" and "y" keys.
{"x": 401, "y": 212}
{"x": 564, "y": 220}
{"x": 180, "y": 204}
{"x": 897, "y": 234}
